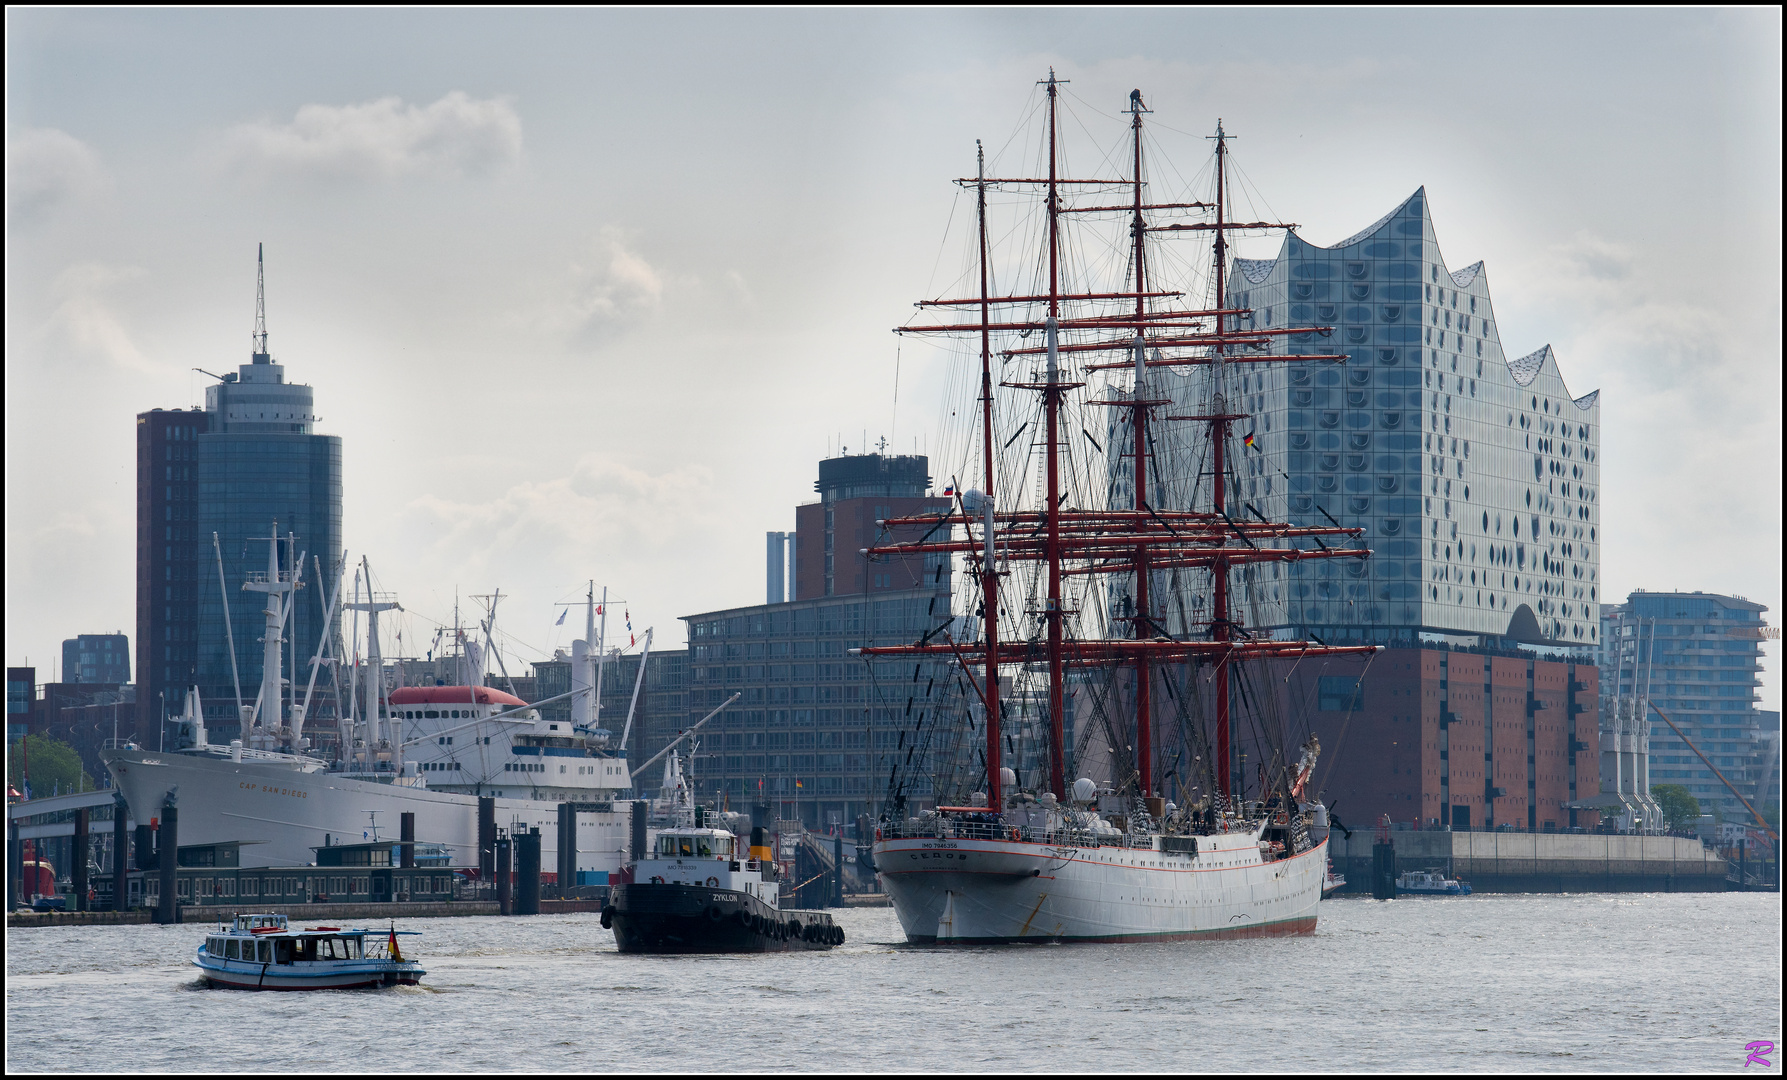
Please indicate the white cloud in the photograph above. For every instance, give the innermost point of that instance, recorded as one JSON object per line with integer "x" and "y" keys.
{"x": 46, "y": 167}
{"x": 620, "y": 285}
{"x": 603, "y": 508}
{"x": 383, "y": 140}
{"x": 84, "y": 321}
{"x": 610, "y": 288}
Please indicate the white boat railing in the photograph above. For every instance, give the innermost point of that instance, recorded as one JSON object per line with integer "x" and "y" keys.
{"x": 949, "y": 828}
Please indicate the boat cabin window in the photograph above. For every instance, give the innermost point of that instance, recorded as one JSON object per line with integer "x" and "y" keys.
{"x": 695, "y": 846}
{"x": 232, "y": 949}
{"x": 284, "y": 951}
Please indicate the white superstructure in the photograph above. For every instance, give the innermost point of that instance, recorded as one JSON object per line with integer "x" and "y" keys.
{"x": 429, "y": 751}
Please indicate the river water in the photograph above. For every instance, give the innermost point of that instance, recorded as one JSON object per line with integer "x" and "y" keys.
{"x": 1488, "y": 983}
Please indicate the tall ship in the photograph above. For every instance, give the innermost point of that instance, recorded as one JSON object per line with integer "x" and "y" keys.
{"x": 429, "y": 751}
{"x": 1118, "y": 610}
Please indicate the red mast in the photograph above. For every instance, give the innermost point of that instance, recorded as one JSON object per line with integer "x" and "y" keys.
{"x": 1140, "y": 628}
{"x": 1219, "y": 436}
{"x": 989, "y": 578}
{"x": 1134, "y": 541}
{"x": 1052, "y": 512}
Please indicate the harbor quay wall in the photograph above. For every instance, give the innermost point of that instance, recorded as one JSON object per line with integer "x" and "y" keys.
{"x": 1541, "y": 862}
{"x": 18, "y": 919}
{"x": 200, "y": 915}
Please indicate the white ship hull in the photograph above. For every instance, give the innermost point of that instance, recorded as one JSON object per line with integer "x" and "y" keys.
{"x": 987, "y": 891}
{"x": 281, "y": 813}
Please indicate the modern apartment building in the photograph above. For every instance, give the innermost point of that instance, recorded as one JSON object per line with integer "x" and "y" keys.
{"x": 1697, "y": 657}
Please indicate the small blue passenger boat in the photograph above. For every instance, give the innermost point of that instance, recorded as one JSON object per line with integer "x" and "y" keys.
{"x": 260, "y": 952}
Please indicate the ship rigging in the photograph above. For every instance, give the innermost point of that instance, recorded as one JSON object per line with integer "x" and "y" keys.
{"x": 1048, "y": 550}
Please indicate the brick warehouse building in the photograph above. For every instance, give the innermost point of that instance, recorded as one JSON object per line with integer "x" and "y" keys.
{"x": 1465, "y": 738}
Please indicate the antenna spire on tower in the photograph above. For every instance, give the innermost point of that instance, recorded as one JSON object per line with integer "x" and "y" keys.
{"x": 261, "y": 356}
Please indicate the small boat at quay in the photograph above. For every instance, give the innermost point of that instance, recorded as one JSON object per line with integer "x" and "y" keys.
{"x": 260, "y": 952}
{"x": 1430, "y": 883}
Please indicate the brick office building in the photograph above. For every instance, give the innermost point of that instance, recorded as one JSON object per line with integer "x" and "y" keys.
{"x": 1465, "y": 738}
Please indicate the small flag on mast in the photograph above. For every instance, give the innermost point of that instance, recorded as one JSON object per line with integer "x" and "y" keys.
{"x": 561, "y": 617}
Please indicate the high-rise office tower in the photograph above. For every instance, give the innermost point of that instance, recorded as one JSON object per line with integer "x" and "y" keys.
{"x": 1475, "y": 476}
{"x": 245, "y": 466}
{"x": 170, "y": 566}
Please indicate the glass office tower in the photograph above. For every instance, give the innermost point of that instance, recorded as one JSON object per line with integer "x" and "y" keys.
{"x": 261, "y": 467}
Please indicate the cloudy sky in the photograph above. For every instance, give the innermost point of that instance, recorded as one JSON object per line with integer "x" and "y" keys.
{"x": 588, "y": 294}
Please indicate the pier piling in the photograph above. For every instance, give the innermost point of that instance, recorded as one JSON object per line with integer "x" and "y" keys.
{"x": 167, "y": 848}
{"x": 77, "y": 857}
{"x": 1383, "y": 870}
{"x": 504, "y": 870}
{"x": 15, "y": 867}
{"x": 527, "y": 892}
{"x": 486, "y": 838}
{"x": 567, "y": 848}
{"x": 120, "y": 853}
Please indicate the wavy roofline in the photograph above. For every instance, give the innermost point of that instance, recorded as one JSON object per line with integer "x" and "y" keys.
{"x": 1258, "y": 270}
{"x": 1534, "y": 362}
{"x": 1372, "y": 229}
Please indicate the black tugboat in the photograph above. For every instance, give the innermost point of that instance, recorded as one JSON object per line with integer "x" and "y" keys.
{"x": 691, "y": 893}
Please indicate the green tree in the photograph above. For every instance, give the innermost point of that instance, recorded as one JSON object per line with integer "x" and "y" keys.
{"x": 1680, "y": 809}
{"x": 54, "y": 766}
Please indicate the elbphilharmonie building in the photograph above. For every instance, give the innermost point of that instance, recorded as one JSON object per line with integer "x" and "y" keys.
{"x": 1475, "y": 474}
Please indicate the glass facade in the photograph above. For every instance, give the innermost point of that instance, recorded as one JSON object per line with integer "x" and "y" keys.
{"x": 247, "y": 483}
{"x": 1700, "y": 657}
{"x": 1475, "y": 476}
